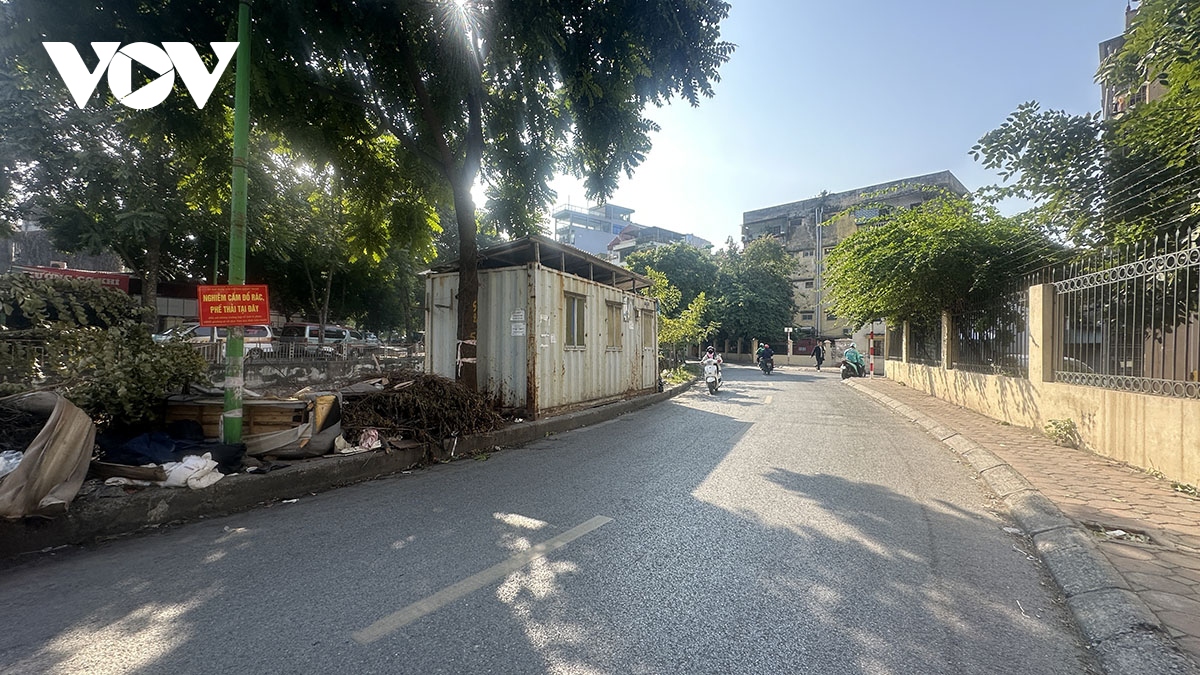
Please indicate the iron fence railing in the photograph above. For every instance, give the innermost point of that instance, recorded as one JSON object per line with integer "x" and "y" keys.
{"x": 1127, "y": 318}
{"x": 994, "y": 339}
{"x": 895, "y": 343}
{"x": 28, "y": 362}
{"x": 214, "y": 352}
{"x": 924, "y": 343}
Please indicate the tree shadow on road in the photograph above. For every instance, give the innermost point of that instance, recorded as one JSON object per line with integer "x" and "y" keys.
{"x": 710, "y": 564}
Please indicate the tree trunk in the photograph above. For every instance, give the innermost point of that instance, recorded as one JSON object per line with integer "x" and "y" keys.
{"x": 468, "y": 286}
{"x": 153, "y": 265}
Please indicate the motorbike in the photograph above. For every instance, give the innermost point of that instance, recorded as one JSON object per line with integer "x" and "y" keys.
{"x": 767, "y": 365}
{"x": 712, "y": 377}
{"x": 851, "y": 370}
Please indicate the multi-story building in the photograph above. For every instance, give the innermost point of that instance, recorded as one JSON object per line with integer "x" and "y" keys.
{"x": 1114, "y": 102}
{"x": 608, "y": 231}
{"x": 809, "y": 230}
{"x": 590, "y": 229}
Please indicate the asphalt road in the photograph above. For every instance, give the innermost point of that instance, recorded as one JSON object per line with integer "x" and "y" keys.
{"x": 785, "y": 525}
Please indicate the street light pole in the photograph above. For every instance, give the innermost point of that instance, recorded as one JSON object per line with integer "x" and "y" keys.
{"x": 231, "y": 419}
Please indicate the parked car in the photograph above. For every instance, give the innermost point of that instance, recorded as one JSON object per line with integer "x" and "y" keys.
{"x": 310, "y": 333}
{"x": 1068, "y": 364}
{"x": 364, "y": 340}
{"x": 309, "y": 336}
{"x": 257, "y": 340}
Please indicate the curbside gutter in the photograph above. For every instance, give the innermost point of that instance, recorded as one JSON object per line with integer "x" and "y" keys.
{"x": 94, "y": 519}
{"x": 1121, "y": 631}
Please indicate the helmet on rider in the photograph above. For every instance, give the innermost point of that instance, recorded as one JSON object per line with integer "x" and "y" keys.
{"x": 710, "y": 350}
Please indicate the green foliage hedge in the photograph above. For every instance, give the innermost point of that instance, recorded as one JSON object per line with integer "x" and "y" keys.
{"x": 88, "y": 342}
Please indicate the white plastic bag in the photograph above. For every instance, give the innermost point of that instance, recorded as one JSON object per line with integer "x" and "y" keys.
{"x": 192, "y": 471}
{"x": 9, "y": 460}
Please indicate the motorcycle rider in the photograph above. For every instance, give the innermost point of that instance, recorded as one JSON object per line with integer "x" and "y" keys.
{"x": 712, "y": 357}
{"x": 854, "y": 357}
{"x": 766, "y": 354}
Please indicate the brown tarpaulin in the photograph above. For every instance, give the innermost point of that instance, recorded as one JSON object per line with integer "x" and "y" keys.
{"x": 55, "y": 463}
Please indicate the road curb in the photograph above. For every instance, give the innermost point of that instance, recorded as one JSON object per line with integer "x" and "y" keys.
{"x": 1121, "y": 631}
{"x": 96, "y": 519}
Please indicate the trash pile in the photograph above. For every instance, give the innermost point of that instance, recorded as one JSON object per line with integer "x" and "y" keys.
{"x": 180, "y": 456}
{"x": 45, "y": 455}
{"x": 20, "y": 428}
{"x": 50, "y": 446}
{"x": 417, "y": 406}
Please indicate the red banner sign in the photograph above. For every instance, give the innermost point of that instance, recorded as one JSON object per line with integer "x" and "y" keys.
{"x": 234, "y": 305}
{"x": 114, "y": 279}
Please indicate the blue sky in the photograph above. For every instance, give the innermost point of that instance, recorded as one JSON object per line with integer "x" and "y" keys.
{"x": 842, "y": 94}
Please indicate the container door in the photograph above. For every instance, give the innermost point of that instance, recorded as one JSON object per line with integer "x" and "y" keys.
{"x": 649, "y": 343}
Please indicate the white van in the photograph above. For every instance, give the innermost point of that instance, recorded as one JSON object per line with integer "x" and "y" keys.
{"x": 310, "y": 333}
{"x": 257, "y": 342}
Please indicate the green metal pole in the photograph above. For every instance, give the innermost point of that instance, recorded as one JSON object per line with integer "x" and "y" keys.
{"x": 234, "y": 365}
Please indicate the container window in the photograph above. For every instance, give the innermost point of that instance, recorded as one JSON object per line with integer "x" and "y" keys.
{"x": 574, "y": 317}
{"x": 615, "y": 327}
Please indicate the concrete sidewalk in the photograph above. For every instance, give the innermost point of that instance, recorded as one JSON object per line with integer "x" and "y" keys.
{"x": 1135, "y": 596}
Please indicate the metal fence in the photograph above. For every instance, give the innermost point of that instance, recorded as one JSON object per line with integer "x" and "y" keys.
{"x": 895, "y": 343}
{"x": 214, "y": 352}
{"x": 994, "y": 339}
{"x": 26, "y": 362}
{"x": 924, "y": 343}
{"x": 1127, "y": 318}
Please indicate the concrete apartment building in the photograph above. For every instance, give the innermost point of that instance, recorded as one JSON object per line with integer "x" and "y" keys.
{"x": 1114, "y": 103}
{"x": 608, "y": 231}
{"x": 809, "y": 229}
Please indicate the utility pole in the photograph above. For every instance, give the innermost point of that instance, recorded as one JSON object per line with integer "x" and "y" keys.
{"x": 819, "y": 256}
{"x": 231, "y": 419}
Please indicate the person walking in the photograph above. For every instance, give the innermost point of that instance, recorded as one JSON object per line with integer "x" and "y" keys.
{"x": 818, "y": 354}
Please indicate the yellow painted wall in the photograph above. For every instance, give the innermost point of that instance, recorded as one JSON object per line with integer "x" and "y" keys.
{"x": 1151, "y": 432}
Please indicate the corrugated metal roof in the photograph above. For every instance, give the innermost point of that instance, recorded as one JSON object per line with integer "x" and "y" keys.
{"x": 555, "y": 255}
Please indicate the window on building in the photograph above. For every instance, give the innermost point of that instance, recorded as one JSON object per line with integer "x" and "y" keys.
{"x": 616, "y": 332}
{"x": 830, "y": 317}
{"x": 648, "y": 324}
{"x": 806, "y": 316}
{"x": 573, "y": 333}
{"x": 806, "y": 283}
{"x": 807, "y": 253}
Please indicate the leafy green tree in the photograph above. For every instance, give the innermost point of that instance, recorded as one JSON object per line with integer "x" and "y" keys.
{"x": 87, "y": 342}
{"x": 1088, "y": 186}
{"x": 1124, "y": 180}
{"x": 1160, "y": 51}
{"x": 507, "y": 91}
{"x": 689, "y": 269}
{"x": 754, "y": 291}
{"x": 153, "y": 185}
{"x": 949, "y": 253}
{"x": 1053, "y": 158}
{"x": 691, "y": 326}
